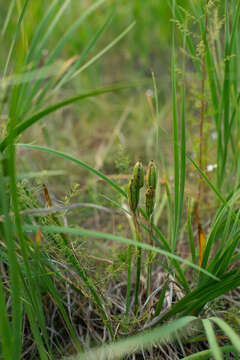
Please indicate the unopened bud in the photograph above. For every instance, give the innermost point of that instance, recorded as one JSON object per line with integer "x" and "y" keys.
{"x": 151, "y": 177}
{"x": 149, "y": 201}
{"x": 133, "y": 195}
{"x": 138, "y": 174}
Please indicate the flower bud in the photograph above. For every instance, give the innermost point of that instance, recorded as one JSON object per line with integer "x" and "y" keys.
{"x": 151, "y": 177}
{"x": 138, "y": 174}
{"x": 149, "y": 201}
{"x": 133, "y": 195}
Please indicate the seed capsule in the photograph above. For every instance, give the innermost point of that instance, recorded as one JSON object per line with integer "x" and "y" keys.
{"x": 149, "y": 201}
{"x": 133, "y": 195}
{"x": 151, "y": 177}
{"x": 138, "y": 174}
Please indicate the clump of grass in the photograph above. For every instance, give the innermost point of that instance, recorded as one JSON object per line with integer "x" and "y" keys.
{"x": 182, "y": 288}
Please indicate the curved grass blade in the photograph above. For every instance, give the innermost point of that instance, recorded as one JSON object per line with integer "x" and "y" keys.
{"x": 15, "y": 37}
{"x": 207, "y": 354}
{"x": 20, "y": 128}
{"x": 206, "y": 179}
{"x": 194, "y": 302}
{"x": 57, "y": 49}
{"x": 101, "y": 235}
{"x": 78, "y": 62}
{"x": 102, "y": 52}
{"x": 235, "y": 339}
{"x": 135, "y": 343}
{"x": 8, "y": 16}
{"x": 212, "y": 340}
{"x": 79, "y": 162}
{"x": 40, "y": 29}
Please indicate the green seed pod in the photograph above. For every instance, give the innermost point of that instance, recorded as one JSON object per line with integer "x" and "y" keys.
{"x": 138, "y": 174}
{"x": 149, "y": 201}
{"x": 151, "y": 177}
{"x": 133, "y": 195}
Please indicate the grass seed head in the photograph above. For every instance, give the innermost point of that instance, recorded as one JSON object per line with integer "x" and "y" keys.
{"x": 149, "y": 201}
{"x": 133, "y": 195}
{"x": 151, "y": 177}
{"x": 138, "y": 174}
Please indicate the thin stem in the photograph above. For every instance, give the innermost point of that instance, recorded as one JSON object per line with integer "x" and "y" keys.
{"x": 150, "y": 258}
{"x": 138, "y": 261}
{"x": 129, "y": 279}
{"x": 202, "y": 116}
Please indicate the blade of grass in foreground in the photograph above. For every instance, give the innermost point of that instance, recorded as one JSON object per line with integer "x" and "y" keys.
{"x": 100, "y": 235}
{"x": 136, "y": 343}
{"x": 235, "y": 339}
{"x": 20, "y": 128}
{"x": 212, "y": 340}
{"x": 207, "y": 354}
{"x": 6, "y": 332}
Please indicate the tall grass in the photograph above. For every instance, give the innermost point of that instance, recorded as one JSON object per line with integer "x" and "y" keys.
{"x": 38, "y": 253}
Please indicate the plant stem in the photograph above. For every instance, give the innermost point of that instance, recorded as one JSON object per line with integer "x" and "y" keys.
{"x": 138, "y": 262}
{"x": 129, "y": 280}
{"x": 150, "y": 256}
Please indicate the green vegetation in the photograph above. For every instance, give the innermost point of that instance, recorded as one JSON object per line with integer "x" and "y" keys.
{"x": 101, "y": 258}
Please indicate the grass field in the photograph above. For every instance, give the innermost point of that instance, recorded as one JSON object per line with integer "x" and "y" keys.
{"x": 119, "y": 185}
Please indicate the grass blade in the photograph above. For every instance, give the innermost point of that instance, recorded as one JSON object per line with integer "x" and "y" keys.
{"x": 101, "y": 235}
{"x": 79, "y": 162}
{"x": 212, "y": 340}
{"x": 135, "y": 343}
{"x": 235, "y": 339}
{"x": 20, "y": 128}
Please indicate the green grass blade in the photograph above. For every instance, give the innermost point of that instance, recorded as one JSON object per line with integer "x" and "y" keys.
{"x": 190, "y": 235}
{"x": 161, "y": 298}
{"x": 101, "y": 235}
{"x": 49, "y": 29}
{"x": 103, "y": 51}
{"x": 212, "y": 340}
{"x": 183, "y": 137}
{"x": 235, "y": 339}
{"x": 194, "y": 302}
{"x": 15, "y": 37}
{"x": 8, "y": 17}
{"x": 77, "y": 63}
{"x": 57, "y": 49}
{"x": 6, "y": 333}
{"x": 79, "y": 162}
{"x": 39, "y": 31}
{"x": 73, "y": 28}
{"x": 20, "y": 128}
{"x": 215, "y": 190}
{"x": 135, "y": 343}
{"x": 207, "y": 354}
{"x": 175, "y": 140}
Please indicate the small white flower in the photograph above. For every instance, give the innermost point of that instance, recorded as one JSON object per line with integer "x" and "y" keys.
{"x": 214, "y": 135}
{"x": 211, "y": 167}
{"x": 149, "y": 93}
